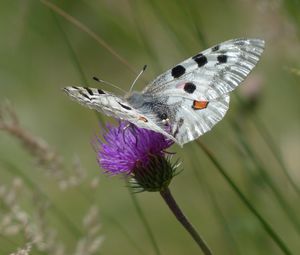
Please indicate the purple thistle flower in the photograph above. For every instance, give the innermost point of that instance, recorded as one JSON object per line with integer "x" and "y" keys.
{"x": 126, "y": 148}
{"x": 140, "y": 154}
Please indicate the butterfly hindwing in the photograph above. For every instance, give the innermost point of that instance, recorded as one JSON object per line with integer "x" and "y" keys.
{"x": 194, "y": 118}
{"x": 183, "y": 118}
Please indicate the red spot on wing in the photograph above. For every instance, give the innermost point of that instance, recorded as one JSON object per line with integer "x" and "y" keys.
{"x": 199, "y": 105}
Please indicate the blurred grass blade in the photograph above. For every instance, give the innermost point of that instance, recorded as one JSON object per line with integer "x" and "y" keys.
{"x": 274, "y": 149}
{"x": 265, "y": 176}
{"x": 264, "y": 223}
{"x": 193, "y": 15}
{"x": 231, "y": 243}
{"x": 269, "y": 141}
{"x": 125, "y": 233}
{"x": 156, "y": 10}
{"x": 88, "y": 31}
{"x": 293, "y": 7}
{"x": 65, "y": 221}
{"x": 139, "y": 25}
{"x": 8, "y": 240}
{"x": 144, "y": 220}
{"x": 70, "y": 49}
{"x": 75, "y": 61}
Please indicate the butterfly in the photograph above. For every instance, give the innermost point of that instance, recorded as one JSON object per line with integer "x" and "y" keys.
{"x": 187, "y": 100}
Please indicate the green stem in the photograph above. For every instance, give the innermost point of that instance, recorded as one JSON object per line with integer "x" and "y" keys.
{"x": 267, "y": 179}
{"x": 273, "y": 148}
{"x": 123, "y": 230}
{"x": 75, "y": 60}
{"x": 170, "y": 201}
{"x": 88, "y": 31}
{"x": 144, "y": 221}
{"x": 136, "y": 14}
{"x": 269, "y": 141}
{"x": 231, "y": 243}
{"x": 70, "y": 48}
{"x": 264, "y": 223}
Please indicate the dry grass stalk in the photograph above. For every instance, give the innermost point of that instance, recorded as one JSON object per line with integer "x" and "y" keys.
{"x": 91, "y": 242}
{"x": 23, "y": 251}
{"x": 46, "y": 157}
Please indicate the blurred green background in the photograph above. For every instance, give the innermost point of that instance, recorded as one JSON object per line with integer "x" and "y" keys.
{"x": 42, "y": 52}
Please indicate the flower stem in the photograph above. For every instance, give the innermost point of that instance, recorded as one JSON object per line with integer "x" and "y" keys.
{"x": 169, "y": 199}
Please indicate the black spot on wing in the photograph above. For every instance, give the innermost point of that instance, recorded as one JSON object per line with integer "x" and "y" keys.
{"x": 84, "y": 95}
{"x": 124, "y": 106}
{"x": 178, "y": 71}
{"x": 215, "y": 48}
{"x": 222, "y": 59}
{"x": 89, "y": 91}
{"x": 100, "y": 91}
{"x": 200, "y": 59}
{"x": 189, "y": 87}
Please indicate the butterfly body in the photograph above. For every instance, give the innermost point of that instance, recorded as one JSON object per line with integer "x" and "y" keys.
{"x": 187, "y": 100}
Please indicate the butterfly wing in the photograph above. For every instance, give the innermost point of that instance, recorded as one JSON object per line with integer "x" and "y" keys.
{"x": 194, "y": 118}
{"x": 187, "y": 100}
{"x": 210, "y": 73}
{"x": 194, "y": 94}
{"x": 115, "y": 106}
{"x": 183, "y": 118}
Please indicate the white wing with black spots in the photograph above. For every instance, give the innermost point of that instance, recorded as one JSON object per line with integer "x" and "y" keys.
{"x": 213, "y": 72}
{"x": 112, "y": 105}
{"x": 190, "y": 123}
{"x": 187, "y": 100}
{"x": 100, "y": 100}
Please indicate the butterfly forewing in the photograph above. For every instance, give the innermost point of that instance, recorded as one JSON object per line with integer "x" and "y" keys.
{"x": 100, "y": 100}
{"x": 214, "y": 72}
{"x": 115, "y": 106}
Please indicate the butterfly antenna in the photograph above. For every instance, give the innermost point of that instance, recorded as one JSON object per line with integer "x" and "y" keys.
{"x": 141, "y": 72}
{"x": 108, "y": 83}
